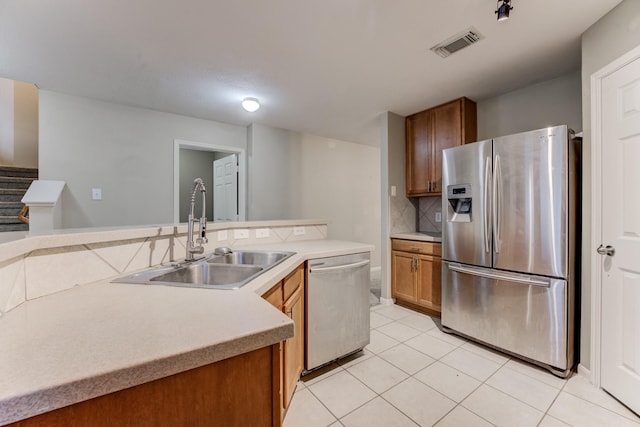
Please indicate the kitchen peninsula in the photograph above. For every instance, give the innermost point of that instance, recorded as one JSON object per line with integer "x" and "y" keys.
{"x": 70, "y": 335}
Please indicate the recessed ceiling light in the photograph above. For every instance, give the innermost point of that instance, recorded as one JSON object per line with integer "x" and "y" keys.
{"x": 250, "y": 104}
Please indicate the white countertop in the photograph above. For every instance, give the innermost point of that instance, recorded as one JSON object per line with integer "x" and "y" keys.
{"x": 417, "y": 235}
{"x": 99, "y": 338}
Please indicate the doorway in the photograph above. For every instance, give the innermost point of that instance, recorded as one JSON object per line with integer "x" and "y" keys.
{"x": 196, "y": 159}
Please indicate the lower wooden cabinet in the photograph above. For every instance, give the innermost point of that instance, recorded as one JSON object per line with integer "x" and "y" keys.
{"x": 251, "y": 389}
{"x": 288, "y": 296}
{"x": 238, "y": 391}
{"x": 293, "y": 353}
{"x": 416, "y": 269}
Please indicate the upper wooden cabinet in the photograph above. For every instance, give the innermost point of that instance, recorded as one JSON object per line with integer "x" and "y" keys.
{"x": 428, "y": 133}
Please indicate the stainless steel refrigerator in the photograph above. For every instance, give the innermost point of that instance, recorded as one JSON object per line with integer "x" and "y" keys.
{"x": 509, "y": 244}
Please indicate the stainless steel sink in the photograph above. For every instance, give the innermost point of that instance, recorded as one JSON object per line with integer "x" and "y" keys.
{"x": 250, "y": 258}
{"x": 210, "y": 274}
{"x": 228, "y": 271}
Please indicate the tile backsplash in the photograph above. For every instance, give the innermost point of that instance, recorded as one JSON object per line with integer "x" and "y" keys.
{"x": 403, "y": 214}
{"x": 427, "y": 208}
{"x": 45, "y": 271}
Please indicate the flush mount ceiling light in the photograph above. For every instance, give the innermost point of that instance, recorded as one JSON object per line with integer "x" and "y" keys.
{"x": 503, "y": 9}
{"x": 250, "y": 104}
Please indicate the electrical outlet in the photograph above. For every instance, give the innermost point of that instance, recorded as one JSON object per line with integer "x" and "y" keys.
{"x": 438, "y": 216}
{"x": 222, "y": 235}
{"x": 299, "y": 231}
{"x": 262, "y": 233}
{"x": 96, "y": 194}
{"x": 241, "y": 234}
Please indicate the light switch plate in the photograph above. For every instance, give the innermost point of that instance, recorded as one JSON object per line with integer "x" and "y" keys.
{"x": 299, "y": 231}
{"x": 241, "y": 234}
{"x": 393, "y": 191}
{"x": 438, "y": 216}
{"x": 262, "y": 233}
{"x": 222, "y": 235}
{"x": 96, "y": 194}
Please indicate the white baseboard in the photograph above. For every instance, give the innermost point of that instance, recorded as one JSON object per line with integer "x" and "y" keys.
{"x": 582, "y": 370}
{"x": 386, "y": 301}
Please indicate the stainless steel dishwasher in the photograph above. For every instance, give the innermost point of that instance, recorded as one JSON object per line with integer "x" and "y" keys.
{"x": 337, "y": 307}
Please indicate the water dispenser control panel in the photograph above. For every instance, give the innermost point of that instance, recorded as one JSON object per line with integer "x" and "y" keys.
{"x": 460, "y": 203}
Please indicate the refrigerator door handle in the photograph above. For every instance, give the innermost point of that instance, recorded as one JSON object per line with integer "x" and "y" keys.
{"x": 496, "y": 204}
{"x": 487, "y": 177}
{"x": 498, "y": 276}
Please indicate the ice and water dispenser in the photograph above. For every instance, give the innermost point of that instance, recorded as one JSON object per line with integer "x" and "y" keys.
{"x": 460, "y": 206}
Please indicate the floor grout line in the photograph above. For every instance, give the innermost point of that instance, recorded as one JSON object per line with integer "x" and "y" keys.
{"x": 501, "y": 366}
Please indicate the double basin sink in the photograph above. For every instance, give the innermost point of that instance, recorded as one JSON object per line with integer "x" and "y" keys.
{"x": 226, "y": 271}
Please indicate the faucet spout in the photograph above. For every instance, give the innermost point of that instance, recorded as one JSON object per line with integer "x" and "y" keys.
{"x": 198, "y": 184}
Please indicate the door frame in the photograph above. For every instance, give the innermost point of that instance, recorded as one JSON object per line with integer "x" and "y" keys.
{"x": 596, "y": 205}
{"x": 202, "y": 146}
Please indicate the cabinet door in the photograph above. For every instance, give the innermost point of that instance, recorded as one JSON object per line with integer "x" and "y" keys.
{"x": 418, "y": 152}
{"x": 429, "y": 281}
{"x": 294, "y": 347}
{"x": 274, "y": 297}
{"x": 447, "y": 133}
{"x": 403, "y": 278}
{"x": 427, "y": 134}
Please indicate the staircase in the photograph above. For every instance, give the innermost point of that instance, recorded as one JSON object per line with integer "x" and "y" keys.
{"x": 14, "y": 182}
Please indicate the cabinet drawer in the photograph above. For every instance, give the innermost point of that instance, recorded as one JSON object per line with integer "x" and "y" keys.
{"x": 430, "y": 248}
{"x": 292, "y": 282}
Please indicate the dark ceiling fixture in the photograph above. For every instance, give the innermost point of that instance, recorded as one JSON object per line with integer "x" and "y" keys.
{"x": 503, "y": 9}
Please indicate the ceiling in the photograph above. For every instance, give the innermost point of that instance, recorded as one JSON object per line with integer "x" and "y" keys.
{"x": 328, "y": 68}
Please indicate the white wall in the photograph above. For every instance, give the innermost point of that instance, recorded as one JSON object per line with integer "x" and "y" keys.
{"x": 6, "y": 122}
{"x": 340, "y": 181}
{"x": 273, "y": 182}
{"x": 613, "y": 35}
{"x": 25, "y": 134}
{"x": 126, "y": 151}
{"x": 18, "y": 124}
{"x": 294, "y": 175}
{"x": 549, "y": 103}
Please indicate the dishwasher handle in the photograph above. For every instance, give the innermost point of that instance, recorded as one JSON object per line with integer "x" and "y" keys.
{"x": 338, "y": 267}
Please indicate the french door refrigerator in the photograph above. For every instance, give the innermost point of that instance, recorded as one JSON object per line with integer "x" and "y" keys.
{"x": 509, "y": 244}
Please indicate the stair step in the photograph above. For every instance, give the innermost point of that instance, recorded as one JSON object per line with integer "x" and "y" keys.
{"x": 11, "y": 171}
{"x": 5, "y": 219}
{"x": 11, "y": 194}
{"x": 14, "y": 227}
{"x": 10, "y": 208}
{"x": 15, "y": 182}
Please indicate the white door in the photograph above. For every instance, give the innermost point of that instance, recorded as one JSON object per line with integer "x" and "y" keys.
{"x": 620, "y": 346}
{"x": 225, "y": 189}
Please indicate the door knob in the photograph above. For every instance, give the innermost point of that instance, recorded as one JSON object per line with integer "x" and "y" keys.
{"x": 608, "y": 250}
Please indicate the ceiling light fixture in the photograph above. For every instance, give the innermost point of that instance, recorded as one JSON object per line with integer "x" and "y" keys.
{"x": 250, "y": 104}
{"x": 503, "y": 9}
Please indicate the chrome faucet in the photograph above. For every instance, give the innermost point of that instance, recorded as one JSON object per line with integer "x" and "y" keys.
{"x": 202, "y": 232}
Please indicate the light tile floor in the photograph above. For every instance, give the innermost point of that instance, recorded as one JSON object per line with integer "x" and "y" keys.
{"x": 414, "y": 374}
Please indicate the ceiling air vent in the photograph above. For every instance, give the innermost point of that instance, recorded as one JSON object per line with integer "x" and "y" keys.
{"x": 457, "y": 42}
